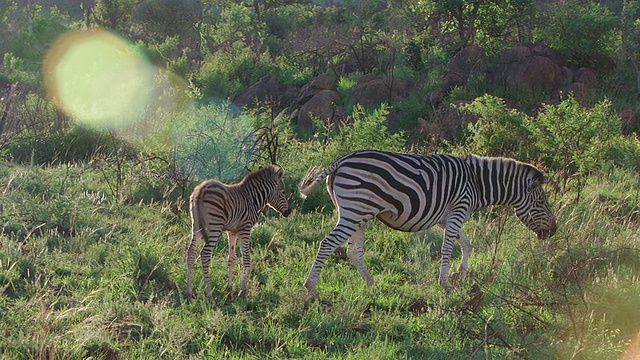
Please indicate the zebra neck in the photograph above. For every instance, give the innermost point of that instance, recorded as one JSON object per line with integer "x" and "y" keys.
{"x": 255, "y": 195}
{"x": 496, "y": 181}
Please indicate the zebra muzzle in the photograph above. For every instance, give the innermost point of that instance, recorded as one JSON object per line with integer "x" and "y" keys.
{"x": 547, "y": 233}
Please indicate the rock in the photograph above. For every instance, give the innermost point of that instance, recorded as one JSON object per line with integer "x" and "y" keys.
{"x": 469, "y": 61}
{"x": 452, "y": 80}
{"x": 322, "y": 106}
{"x": 314, "y": 86}
{"x": 434, "y": 97}
{"x": 373, "y": 90}
{"x": 371, "y": 93}
{"x": 266, "y": 90}
{"x": 585, "y": 76}
{"x": 520, "y": 70}
{"x": 579, "y": 90}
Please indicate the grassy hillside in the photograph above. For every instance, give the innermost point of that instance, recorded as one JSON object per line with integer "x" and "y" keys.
{"x": 84, "y": 273}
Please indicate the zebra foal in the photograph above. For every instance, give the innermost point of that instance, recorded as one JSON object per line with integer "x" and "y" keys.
{"x": 413, "y": 192}
{"x": 216, "y": 207}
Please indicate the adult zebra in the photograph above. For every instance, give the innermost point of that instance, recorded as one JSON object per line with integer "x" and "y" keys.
{"x": 217, "y": 207}
{"x": 413, "y": 192}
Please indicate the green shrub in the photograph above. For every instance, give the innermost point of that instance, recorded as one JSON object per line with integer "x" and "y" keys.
{"x": 77, "y": 144}
{"x": 577, "y": 29}
{"x": 214, "y": 141}
{"x": 565, "y": 135}
{"x": 368, "y": 131}
{"x": 499, "y": 131}
{"x": 225, "y": 74}
{"x": 618, "y": 151}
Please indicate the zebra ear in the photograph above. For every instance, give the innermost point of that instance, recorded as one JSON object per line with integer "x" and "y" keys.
{"x": 536, "y": 180}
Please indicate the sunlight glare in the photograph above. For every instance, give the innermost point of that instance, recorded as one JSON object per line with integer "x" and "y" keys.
{"x": 98, "y": 79}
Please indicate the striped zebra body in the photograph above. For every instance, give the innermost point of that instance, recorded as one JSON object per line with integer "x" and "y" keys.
{"x": 216, "y": 207}
{"x": 413, "y": 192}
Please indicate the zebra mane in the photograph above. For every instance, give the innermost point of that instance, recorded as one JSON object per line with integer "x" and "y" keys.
{"x": 264, "y": 172}
{"x": 481, "y": 160}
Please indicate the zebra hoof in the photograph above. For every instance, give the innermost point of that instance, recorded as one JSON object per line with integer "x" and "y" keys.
{"x": 242, "y": 294}
{"x": 446, "y": 285}
{"x": 188, "y": 296}
{"x": 457, "y": 277}
{"x": 230, "y": 298}
{"x": 311, "y": 291}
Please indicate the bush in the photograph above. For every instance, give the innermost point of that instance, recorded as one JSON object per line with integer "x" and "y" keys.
{"x": 215, "y": 142}
{"x": 578, "y": 31}
{"x": 78, "y": 144}
{"x": 225, "y": 74}
{"x": 565, "y": 135}
{"x": 618, "y": 152}
{"x": 499, "y": 131}
{"x": 368, "y": 131}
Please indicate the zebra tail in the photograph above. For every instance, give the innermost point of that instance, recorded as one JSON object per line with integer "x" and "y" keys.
{"x": 311, "y": 180}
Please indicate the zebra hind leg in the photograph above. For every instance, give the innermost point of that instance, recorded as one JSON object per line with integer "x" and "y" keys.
{"x": 205, "y": 257}
{"x": 355, "y": 252}
{"x": 191, "y": 259}
{"x": 246, "y": 262}
{"x": 231, "y": 263}
{"x": 336, "y": 237}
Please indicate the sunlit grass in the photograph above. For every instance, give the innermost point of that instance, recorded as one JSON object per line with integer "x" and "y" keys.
{"x": 113, "y": 286}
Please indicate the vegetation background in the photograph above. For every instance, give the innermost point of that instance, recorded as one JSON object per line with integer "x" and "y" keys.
{"x": 94, "y": 220}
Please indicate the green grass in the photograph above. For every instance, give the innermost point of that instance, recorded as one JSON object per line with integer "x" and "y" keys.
{"x": 84, "y": 274}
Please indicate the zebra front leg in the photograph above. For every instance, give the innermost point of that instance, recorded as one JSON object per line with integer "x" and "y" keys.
{"x": 205, "y": 257}
{"x": 231, "y": 263}
{"x": 452, "y": 229}
{"x": 336, "y": 237}
{"x": 245, "y": 237}
{"x": 355, "y": 252}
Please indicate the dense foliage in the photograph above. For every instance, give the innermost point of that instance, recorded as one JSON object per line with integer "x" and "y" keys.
{"x": 94, "y": 219}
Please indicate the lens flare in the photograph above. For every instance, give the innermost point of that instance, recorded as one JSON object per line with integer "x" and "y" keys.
{"x": 98, "y": 79}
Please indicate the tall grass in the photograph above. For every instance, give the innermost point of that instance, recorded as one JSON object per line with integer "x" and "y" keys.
{"x": 111, "y": 288}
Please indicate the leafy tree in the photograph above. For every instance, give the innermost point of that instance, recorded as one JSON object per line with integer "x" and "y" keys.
{"x": 156, "y": 20}
{"x": 214, "y": 142}
{"x": 630, "y": 26}
{"x": 6, "y": 31}
{"x": 113, "y": 14}
{"x": 578, "y": 31}
{"x": 465, "y": 20}
{"x": 42, "y": 28}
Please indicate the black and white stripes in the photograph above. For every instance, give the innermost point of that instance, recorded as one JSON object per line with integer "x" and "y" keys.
{"x": 216, "y": 207}
{"x": 412, "y": 193}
